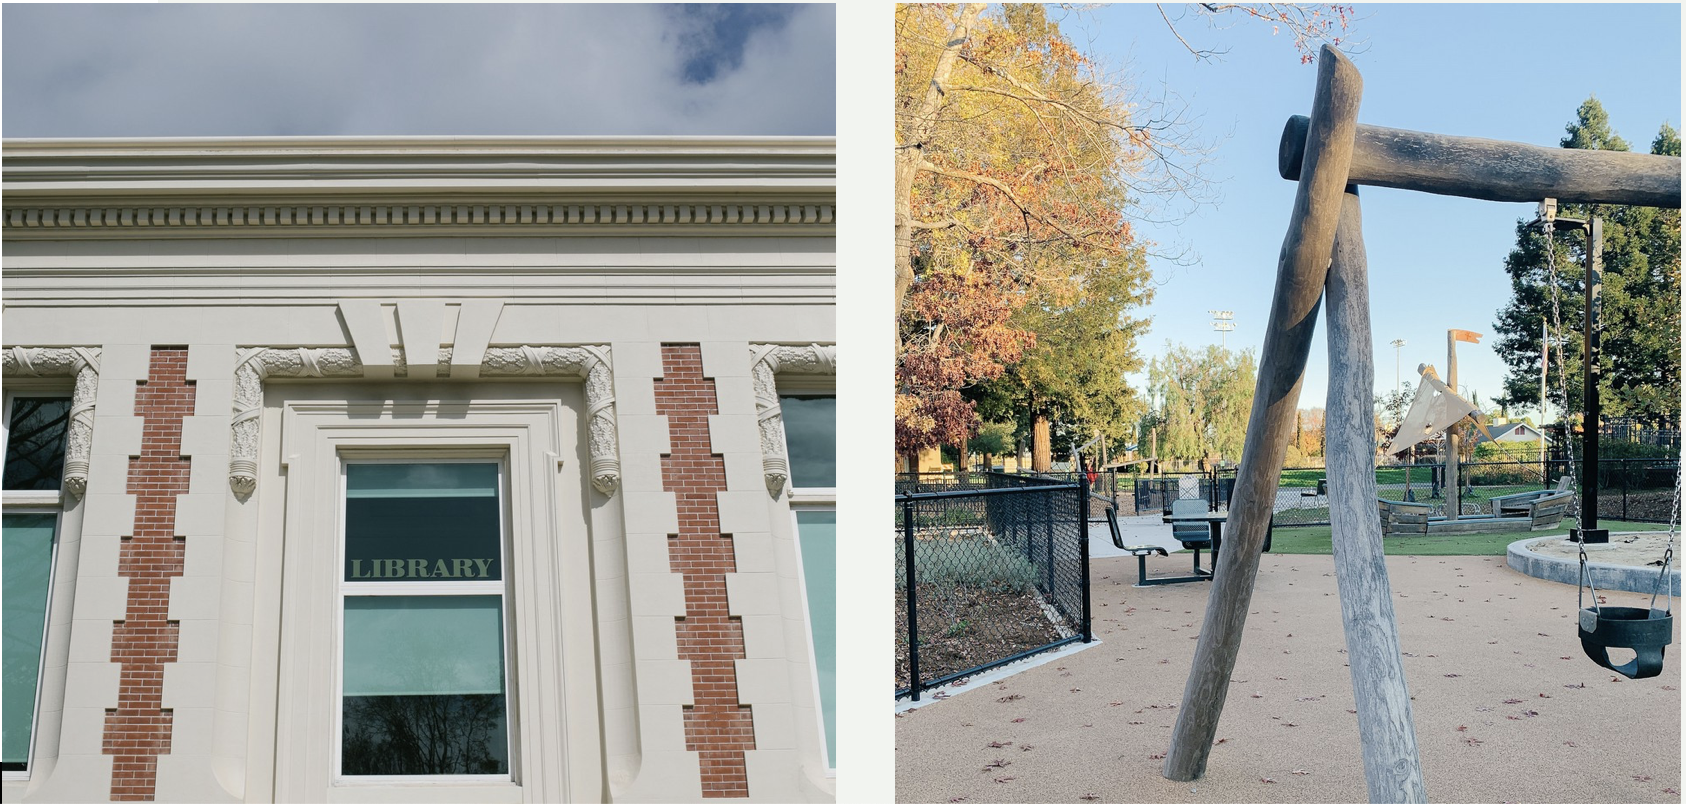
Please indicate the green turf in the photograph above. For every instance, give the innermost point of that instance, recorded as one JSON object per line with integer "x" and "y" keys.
{"x": 1315, "y": 540}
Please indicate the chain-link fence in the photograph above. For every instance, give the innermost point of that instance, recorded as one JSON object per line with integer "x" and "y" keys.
{"x": 986, "y": 575}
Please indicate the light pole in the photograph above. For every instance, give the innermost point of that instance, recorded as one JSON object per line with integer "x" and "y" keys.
{"x": 1397, "y": 342}
{"x": 1224, "y": 322}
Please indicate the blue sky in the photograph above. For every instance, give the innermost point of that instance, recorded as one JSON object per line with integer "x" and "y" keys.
{"x": 1507, "y": 72}
{"x": 80, "y": 70}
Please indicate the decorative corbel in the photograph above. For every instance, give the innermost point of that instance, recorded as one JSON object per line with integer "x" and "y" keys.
{"x": 82, "y": 363}
{"x": 257, "y": 365}
{"x": 766, "y": 361}
{"x": 588, "y": 362}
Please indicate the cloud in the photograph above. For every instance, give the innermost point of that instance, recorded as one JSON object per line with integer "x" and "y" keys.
{"x": 225, "y": 70}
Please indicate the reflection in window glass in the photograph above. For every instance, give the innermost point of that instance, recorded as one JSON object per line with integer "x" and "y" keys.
{"x": 424, "y": 686}
{"x": 423, "y": 671}
{"x": 810, "y": 436}
{"x": 35, "y": 444}
{"x": 817, "y": 533}
{"x": 26, "y": 555}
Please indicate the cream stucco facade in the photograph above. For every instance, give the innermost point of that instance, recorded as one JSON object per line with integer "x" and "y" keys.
{"x": 516, "y": 300}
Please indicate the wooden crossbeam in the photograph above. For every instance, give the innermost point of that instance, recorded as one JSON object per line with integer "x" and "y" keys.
{"x": 1494, "y": 170}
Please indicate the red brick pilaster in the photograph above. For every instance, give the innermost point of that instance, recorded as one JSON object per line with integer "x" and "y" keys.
{"x": 717, "y": 727}
{"x": 138, "y": 730}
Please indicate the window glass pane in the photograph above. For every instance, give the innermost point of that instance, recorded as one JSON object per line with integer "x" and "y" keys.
{"x": 422, "y": 522}
{"x": 424, "y": 691}
{"x": 810, "y": 436}
{"x": 35, "y": 444}
{"x": 817, "y": 533}
{"x": 26, "y": 554}
{"x": 420, "y": 645}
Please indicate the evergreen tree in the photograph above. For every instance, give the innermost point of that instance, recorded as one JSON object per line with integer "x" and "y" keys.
{"x": 1640, "y": 354}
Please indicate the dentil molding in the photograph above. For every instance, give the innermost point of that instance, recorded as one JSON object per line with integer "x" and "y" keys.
{"x": 81, "y": 363}
{"x": 590, "y": 363}
{"x": 765, "y": 362}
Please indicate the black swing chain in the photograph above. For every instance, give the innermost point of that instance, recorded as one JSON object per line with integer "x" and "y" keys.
{"x": 1548, "y": 216}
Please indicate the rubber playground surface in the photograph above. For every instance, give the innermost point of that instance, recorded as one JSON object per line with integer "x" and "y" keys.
{"x": 1507, "y": 707}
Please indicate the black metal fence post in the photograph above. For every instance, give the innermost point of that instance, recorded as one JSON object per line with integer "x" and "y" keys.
{"x": 1083, "y": 549}
{"x": 912, "y": 600}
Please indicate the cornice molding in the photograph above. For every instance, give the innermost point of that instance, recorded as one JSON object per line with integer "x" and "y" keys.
{"x": 418, "y": 186}
{"x": 75, "y": 361}
{"x": 766, "y": 361}
{"x": 23, "y": 221}
{"x": 590, "y": 363}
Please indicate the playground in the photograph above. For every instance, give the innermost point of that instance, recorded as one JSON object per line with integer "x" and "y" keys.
{"x": 1506, "y": 706}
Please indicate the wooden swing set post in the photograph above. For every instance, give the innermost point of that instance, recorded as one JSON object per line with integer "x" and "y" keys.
{"x": 1325, "y": 153}
{"x": 1392, "y": 771}
{"x": 1302, "y": 269}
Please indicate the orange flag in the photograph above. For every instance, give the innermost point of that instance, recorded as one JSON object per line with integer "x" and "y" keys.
{"x": 1465, "y": 335}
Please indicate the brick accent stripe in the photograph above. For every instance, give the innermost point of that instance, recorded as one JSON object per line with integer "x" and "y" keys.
{"x": 717, "y": 727}
{"x": 138, "y": 730}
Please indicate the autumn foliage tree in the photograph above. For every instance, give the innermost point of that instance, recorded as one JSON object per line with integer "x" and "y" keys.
{"x": 1018, "y": 166}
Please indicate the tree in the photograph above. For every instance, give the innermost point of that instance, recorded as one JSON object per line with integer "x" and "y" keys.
{"x": 993, "y": 439}
{"x": 1071, "y": 382}
{"x": 1201, "y": 400}
{"x": 1640, "y": 354}
{"x": 1016, "y": 157}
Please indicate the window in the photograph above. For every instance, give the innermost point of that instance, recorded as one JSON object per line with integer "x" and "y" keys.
{"x": 423, "y": 675}
{"x": 810, "y": 426}
{"x": 34, "y": 437}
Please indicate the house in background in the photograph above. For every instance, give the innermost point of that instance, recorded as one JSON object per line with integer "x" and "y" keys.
{"x": 457, "y": 470}
{"x": 1513, "y": 432}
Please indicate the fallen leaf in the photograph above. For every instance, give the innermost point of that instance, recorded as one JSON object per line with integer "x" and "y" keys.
{"x": 999, "y": 744}
{"x": 1155, "y": 756}
{"x": 1462, "y": 728}
{"x": 1454, "y": 675}
{"x": 1221, "y": 741}
{"x": 1512, "y": 700}
{"x": 1267, "y": 780}
{"x": 1089, "y": 797}
{"x": 1301, "y": 772}
{"x": 996, "y": 763}
{"x": 1137, "y": 722}
{"x": 1005, "y": 779}
{"x": 1026, "y": 747}
{"x": 1642, "y": 778}
{"x": 1014, "y": 697}
{"x": 1115, "y": 703}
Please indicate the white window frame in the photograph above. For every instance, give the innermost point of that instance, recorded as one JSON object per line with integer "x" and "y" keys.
{"x": 810, "y": 498}
{"x": 34, "y": 502}
{"x": 499, "y": 587}
{"x": 538, "y": 429}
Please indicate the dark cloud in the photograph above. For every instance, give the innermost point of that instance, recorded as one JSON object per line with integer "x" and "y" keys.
{"x": 222, "y": 70}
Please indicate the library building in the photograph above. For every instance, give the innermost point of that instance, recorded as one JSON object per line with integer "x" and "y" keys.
{"x": 419, "y": 470}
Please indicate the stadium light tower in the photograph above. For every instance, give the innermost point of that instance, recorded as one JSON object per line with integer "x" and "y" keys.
{"x": 1224, "y": 322}
{"x": 1397, "y": 342}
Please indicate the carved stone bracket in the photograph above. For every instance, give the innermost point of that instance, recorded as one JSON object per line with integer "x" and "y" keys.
{"x": 83, "y": 364}
{"x": 588, "y": 362}
{"x": 766, "y": 361}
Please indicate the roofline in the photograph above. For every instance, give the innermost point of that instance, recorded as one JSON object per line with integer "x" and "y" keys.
{"x": 411, "y": 145}
{"x": 407, "y": 186}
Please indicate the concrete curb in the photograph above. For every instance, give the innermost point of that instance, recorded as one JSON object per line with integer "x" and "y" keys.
{"x": 1614, "y": 577}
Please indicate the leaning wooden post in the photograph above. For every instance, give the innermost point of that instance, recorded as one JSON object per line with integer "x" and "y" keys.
{"x": 1302, "y": 267}
{"x": 1391, "y": 768}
